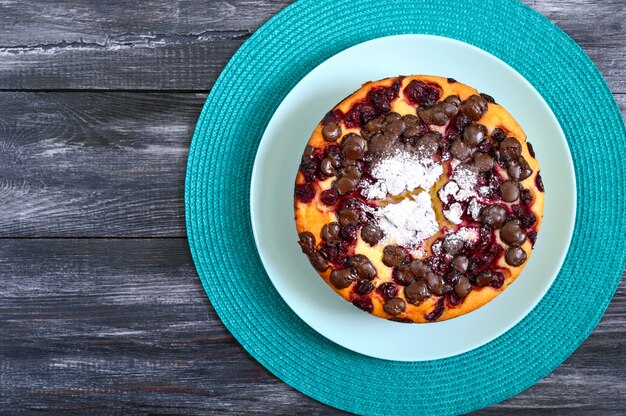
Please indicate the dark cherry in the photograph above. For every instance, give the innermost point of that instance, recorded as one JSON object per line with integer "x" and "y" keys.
{"x": 498, "y": 135}
{"x": 416, "y": 292}
{"x": 364, "y": 286}
{"x": 532, "y": 237}
{"x": 305, "y": 192}
{"x": 387, "y": 290}
{"x": 318, "y": 261}
{"x": 342, "y": 278}
{"x": 330, "y": 252}
{"x": 527, "y": 220}
{"x": 515, "y": 256}
{"x": 530, "y": 149}
{"x": 488, "y": 98}
{"x": 329, "y": 197}
{"x": 393, "y": 256}
{"x": 364, "y": 303}
{"x": 394, "y": 306}
{"x": 437, "y": 311}
{"x": 348, "y": 233}
{"x": 421, "y": 93}
{"x": 307, "y": 242}
{"x": 539, "y": 182}
{"x": 498, "y": 280}
{"x": 526, "y": 197}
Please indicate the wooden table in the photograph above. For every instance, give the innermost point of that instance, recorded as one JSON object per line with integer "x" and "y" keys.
{"x": 101, "y": 309}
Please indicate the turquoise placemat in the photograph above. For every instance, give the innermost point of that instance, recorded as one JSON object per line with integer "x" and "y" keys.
{"x": 220, "y": 162}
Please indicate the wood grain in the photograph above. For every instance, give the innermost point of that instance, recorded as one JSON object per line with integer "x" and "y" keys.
{"x": 94, "y": 164}
{"x": 123, "y": 326}
{"x": 184, "y": 45}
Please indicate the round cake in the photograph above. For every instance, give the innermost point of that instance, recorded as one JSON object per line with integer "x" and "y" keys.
{"x": 418, "y": 199}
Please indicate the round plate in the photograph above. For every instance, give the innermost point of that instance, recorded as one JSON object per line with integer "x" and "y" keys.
{"x": 277, "y": 162}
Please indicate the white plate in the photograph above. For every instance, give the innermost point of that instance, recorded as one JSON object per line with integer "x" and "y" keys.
{"x": 276, "y": 164}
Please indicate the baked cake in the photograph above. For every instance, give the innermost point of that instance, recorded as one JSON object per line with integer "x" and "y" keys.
{"x": 418, "y": 199}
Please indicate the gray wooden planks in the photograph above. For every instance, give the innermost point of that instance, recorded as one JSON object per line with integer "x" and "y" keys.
{"x": 94, "y": 164}
{"x": 183, "y": 46}
{"x": 124, "y": 326}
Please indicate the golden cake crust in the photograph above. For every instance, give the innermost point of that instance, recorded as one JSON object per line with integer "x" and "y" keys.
{"x": 312, "y": 216}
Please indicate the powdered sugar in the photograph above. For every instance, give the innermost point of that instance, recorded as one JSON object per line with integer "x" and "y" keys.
{"x": 453, "y": 214}
{"x": 402, "y": 171}
{"x": 409, "y": 222}
{"x": 473, "y": 209}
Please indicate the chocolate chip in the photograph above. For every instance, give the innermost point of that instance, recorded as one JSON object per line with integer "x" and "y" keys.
{"x": 391, "y": 117}
{"x": 371, "y": 234}
{"x": 330, "y": 233}
{"x": 451, "y": 80}
{"x": 515, "y": 256}
{"x": 363, "y": 266}
{"x": 452, "y": 244}
{"x": 402, "y": 275}
{"x": 460, "y": 263}
{"x": 462, "y": 287}
{"x": 352, "y": 172}
{"x": 394, "y": 306}
{"x": 353, "y": 146}
{"x": 307, "y": 242}
{"x": 449, "y": 109}
{"x": 510, "y": 148}
{"x": 342, "y": 278}
{"x": 428, "y": 144}
{"x": 514, "y": 171}
{"x": 412, "y": 130}
{"x": 387, "y": 290}
{"x": 484, "y": 278}
{"x": 509, "y": 191}
{"x": 435, "y": 283}
{"x": 410, "y": 120}
{"x": 416, "y": 292}
{"x": 364, "y": 286}
{"x": 453, "y": 99}
{"x": 474, "y": 107}
{"x": 395, "y": 129}
{"x": 474, "y": 135}
{"x": 344, "y": 185}
{"x": 419, "y": 268}
{"x": 526, "y": 171}
{"x": 483, "y": 162}
{"x": 348, "y": 217}
{"x": 493, "y": 215}
{"x": 328, "y": 166}
{"x": 331, "y": 132}
{"x": 373, "y": 126}
{"x": 318, "y": 261}
{"x": 498, "y": 135}
{"x": 393, "y": 256}
{"x": 308, "y": 153}
{"x": 435, "y": 115}
{"x": 512, "y": 233}
{"x": 459, "y": 150}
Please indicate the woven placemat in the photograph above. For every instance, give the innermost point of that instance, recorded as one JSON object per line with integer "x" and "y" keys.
{"x": 220, "y": 162}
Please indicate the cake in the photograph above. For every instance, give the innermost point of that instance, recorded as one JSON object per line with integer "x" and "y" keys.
{"x": 418, "y": 199}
